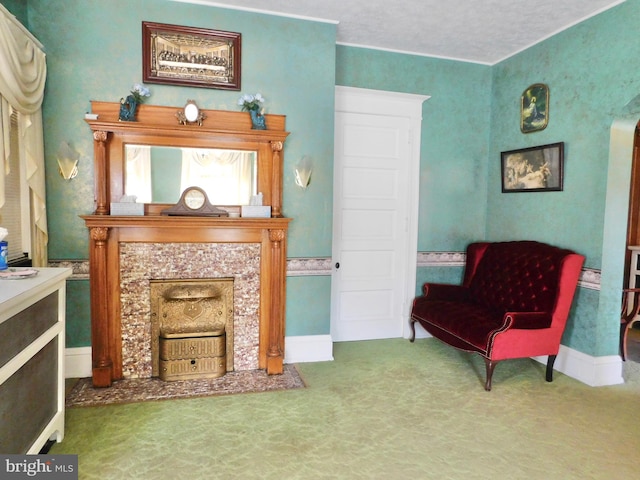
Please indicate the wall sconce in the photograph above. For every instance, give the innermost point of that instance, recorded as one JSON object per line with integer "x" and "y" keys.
{"x": 67, "y": 161}
{"x": 303, "y": 169}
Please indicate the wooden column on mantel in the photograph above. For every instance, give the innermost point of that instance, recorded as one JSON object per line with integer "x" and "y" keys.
{"x": 157, "y": 125}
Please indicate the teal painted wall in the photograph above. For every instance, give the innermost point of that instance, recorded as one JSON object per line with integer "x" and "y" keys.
{"x": 78, "y": 314}
{"x": 17, "y": 8}
{"x": 94, "y": 52}
{"x": 452, "y": 275}
{"x": 309, "y": 302}
{"x": 591, "y": 73}
{"x": 454, "y": 142}
{"x": 591, "y": 70}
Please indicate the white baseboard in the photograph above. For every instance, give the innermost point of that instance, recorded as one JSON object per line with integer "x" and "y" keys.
{"x": 77, "y": 362}
{"x": 308, "y": 348}
{"x": 594, "y": 371}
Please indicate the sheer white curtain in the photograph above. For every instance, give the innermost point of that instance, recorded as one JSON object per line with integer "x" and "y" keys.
{"x": 23, "y": 74}
{"x": 224, "y": 174}
{"x": 138, "y": 173}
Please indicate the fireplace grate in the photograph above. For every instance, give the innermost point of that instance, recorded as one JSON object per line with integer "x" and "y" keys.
{"x": 193, "y": 357}
{"x": 192, "y": 328}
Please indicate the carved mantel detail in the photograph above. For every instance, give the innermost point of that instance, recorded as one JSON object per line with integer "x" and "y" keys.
{"x": 100, "y": 136}
{"x": 99, "y": 234}
{"x": 101, "y": 171}
{"x": 276, "y": 235}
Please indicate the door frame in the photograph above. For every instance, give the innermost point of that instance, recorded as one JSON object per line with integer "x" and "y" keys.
{"x": 406, "y": 105}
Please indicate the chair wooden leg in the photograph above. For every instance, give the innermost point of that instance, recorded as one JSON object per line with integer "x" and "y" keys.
{"x": 550, "y": 361}
{"x": 624, "y": 330}
{"x": 490, "y": 365}
{"x": 412, "y": 324}
{"x": 629, "y": 314}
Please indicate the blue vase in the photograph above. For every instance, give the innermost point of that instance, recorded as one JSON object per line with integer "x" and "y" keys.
{"x": 128, "y": 109}
{"x": 4, "y": 255}
{"x": 257, "y": 120}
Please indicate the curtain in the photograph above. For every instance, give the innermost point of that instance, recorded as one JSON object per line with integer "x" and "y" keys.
{"x": 23, "y": 74}
{"x": 138, "y": 173}
{"x": 224, "y": 174}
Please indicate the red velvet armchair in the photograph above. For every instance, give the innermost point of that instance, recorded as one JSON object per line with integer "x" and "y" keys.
{"x": 513, "y": 302}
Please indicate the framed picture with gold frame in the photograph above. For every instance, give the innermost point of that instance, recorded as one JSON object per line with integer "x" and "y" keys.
{"x": 534, "y": 108}
{"x": 190, "y": 56}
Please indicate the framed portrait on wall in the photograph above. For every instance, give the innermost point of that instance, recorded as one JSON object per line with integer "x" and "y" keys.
{"x": 190, "y": 56}
{"x": 534, "y": 169}
{"x": 534, "y": 108}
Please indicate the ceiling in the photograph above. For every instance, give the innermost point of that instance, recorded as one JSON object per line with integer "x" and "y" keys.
{"x": 478, "y": 31}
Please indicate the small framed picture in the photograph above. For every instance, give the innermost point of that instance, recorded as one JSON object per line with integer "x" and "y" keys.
{"x": 190, "y": 56}
{"x": 534, "y": 169}
{"x": 534, "y": 108}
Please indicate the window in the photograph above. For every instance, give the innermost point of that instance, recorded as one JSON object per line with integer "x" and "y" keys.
{"x": 23, "y": 74}
{"x": 14, "y": 214}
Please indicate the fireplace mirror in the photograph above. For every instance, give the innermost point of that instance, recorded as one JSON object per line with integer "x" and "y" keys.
{"x": 225, "y": 141}
{"x": 156, "y": 174}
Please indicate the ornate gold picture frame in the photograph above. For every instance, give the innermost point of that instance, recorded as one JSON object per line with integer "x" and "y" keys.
{"x": 190, "y": 56}
{"x": 534, "y": 108}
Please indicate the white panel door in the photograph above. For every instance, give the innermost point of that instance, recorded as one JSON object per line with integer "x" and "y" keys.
{"x": 371, "y": 195}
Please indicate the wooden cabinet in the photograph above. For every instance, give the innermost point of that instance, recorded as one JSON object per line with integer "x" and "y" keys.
{"x": 32, "y": 336}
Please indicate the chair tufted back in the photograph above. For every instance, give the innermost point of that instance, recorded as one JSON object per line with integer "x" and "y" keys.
{"x": 518, "y": 276}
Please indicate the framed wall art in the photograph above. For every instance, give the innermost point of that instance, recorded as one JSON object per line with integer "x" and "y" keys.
{"x": 534, "y": 108}
{"x": 534, "y": 169}
{"x": 190, "y": 56}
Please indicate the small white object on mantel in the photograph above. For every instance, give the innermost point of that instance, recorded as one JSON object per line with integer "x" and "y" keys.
{"x": 127, "y": 206}
{"x": 256, "y": 211}
{"x": 255, "y": 208}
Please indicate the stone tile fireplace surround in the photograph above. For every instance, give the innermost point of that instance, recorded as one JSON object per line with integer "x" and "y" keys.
{"x": 142, "y": 262}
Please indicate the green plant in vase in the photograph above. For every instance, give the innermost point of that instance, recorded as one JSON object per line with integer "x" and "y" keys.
{"x": 129, "y": 105}
{"x": 253, "y": 105}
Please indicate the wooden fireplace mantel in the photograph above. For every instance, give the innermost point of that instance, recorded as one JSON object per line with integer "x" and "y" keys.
{"x": 107, "y": 232}
{"x": 158, "y": 126}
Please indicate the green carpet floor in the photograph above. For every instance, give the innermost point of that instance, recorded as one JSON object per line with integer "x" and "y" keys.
{"x": 384, "y": 409}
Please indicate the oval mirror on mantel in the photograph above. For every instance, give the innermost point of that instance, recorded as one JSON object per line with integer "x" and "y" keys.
{"x": 190, "y": 114}
{"x": 191, "y": 111}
